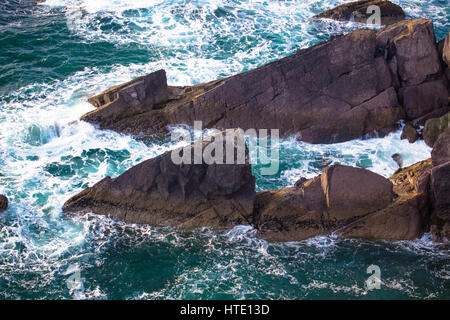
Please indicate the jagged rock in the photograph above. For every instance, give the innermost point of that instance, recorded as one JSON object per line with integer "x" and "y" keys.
{"x": 291, "y": 214}
{"x": 446, "y": 50}
{"x": 413, "y": 44}
{"x": 404, "y": 219}
{"x": 357, "y": 11}
{"x": 434, "y": 127}
{"x": 410, "y": 133}
{"x": 418, "y": 100}
{"x": 335, "y": 91}
{"x": 320, "y": 205}
{"x": 135, "y": 97}
{"x": 441, "y": 149}
{"x": 160, "y": 193}
{"x": 440, "y": 188}
{"x": 3, "y": 203}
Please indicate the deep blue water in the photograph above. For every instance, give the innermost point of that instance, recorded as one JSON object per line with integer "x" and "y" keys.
{"x": 56, "y": 54}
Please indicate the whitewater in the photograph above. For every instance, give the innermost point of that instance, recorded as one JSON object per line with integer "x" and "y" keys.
{"x": 57, "y": 54}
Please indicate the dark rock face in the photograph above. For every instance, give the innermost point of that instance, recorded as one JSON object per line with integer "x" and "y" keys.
{"x": 441, "y": 150}
{"x": 128, "y": 99}
{"x": 339, "y": 90}
{"x": 410, "y": 133}
{"x": 440, "y": 188}
{"x": 161, "y": 193}
{"x": 446, "y": 50}
{"x": 3, "y": 203}
{"x": 434, "y": 127}
{"x": 357, "y": 11}
{"x": 321, "y": 205}
{"x": 404, "y": 219}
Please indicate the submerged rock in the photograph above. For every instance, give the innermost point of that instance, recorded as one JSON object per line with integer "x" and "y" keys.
{"x": 3, "y": 203}
{"x": 321, "y": 205}
{"x": 161, "y": 193}
{"x": 359, "y": 11}
{"x": 335, "y": 91}
{"x": 434, "y": 127}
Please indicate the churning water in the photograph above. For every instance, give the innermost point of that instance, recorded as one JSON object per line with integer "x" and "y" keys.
{"x": 56, "y": 54}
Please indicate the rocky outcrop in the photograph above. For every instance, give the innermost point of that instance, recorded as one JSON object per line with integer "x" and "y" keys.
{"x": 160, "y": 193}
{"x": 410, "y": 133}
{"x": 3, "y": 203}
{"x": 359, "y": 11}
{"x": 349, "y": 202}
{"x": 406, "y": 218}
{"x": 441, "y": 150}
{"x": 446, "y": 50}
{"x": 135, "y": 97}
{"x": 339, "y": 196}
{"x": 434, "y": 127}
{"x": 440, "y": 190}
{"x": 352, "y": 85}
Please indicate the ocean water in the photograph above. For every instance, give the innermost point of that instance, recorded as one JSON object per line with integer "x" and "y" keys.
{"x": 56, "y": 54}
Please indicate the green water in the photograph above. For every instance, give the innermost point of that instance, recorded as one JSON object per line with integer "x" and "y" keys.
{"x": 53, "y": 56}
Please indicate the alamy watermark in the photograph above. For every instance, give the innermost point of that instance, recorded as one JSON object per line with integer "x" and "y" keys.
{"x": 375, "y": 12}
{"x": 228, "y": 147}
{"x": 374, "y": 281}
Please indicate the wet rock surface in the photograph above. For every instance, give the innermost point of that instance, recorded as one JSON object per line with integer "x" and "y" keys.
{"x": 161, "y": 193}
{"x": 3, "y": 203}
{"x": 338, "y": 90}
{"x": 361, "y": 11}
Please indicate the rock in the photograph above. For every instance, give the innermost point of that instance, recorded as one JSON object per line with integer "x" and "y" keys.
{"x": 137, "y": 96}
{"x": 291, "y": 214}
{"x": 407, "y": 217}
{"x": 3, "y": 203}
{"x": 446, "y": 50}
{"x": 440, "y": 188}
{"x": 402, "y": 220}
{"x": 413, "y": 44}
{"x": 300, "y": 182}
{"x": 441, "y": 149}
{"x": 421, "y": 99}
{"x": 398, "y": 159}
{"x": 358, "y": 11}
{"x": 160, "y": 193}
{"x": 434, "y": 127}
{"x": 320, "y": 205}
{"x": 335, "y": 91}
{"x": 410, "y": 133}
{"x": 353, "y": 192}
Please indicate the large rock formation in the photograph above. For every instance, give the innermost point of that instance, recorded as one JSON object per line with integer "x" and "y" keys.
{"x": 359, "y": 11}
{"x": 339, "y": 90}
{"x": 339, "y": 196}
{"x": 434, "y": 127}
{"x": 441, "y": 150}
{"x": 440, "y": 190}
{"x": 161, "y": 193}
{"x": 446, "y": 50}
{"x": 3, "y": 203}
{"x": 406, "y": 218}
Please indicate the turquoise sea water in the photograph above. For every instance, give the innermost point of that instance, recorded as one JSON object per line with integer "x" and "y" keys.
{"x": 56, "y": 54}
